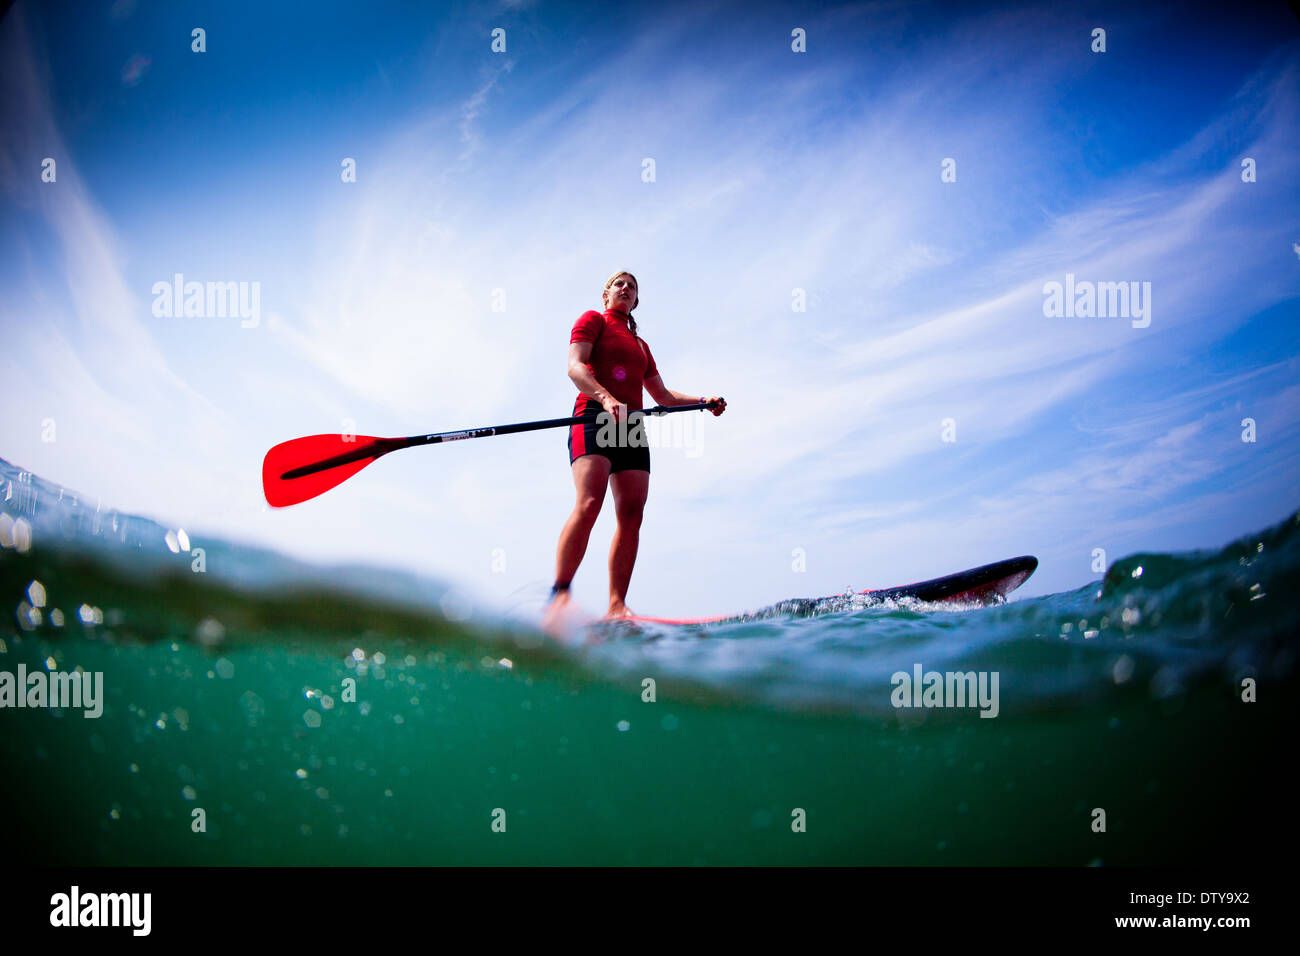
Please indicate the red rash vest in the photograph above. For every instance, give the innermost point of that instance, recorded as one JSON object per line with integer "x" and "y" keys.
{"x": 620, "y": 362}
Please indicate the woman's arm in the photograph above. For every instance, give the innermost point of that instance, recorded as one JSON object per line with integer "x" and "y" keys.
{"x": 581, "y": 375}
{"x": 663, "y": 395}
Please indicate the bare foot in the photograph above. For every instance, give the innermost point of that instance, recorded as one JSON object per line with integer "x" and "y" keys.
{"x": 619, "y": 609}
{"x": 555, "y": 617}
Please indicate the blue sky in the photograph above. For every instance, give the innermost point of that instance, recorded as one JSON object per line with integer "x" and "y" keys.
{"x": 775, "y": 171}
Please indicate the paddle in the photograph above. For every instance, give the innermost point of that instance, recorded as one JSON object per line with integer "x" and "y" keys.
{"x": 303, "y": 468}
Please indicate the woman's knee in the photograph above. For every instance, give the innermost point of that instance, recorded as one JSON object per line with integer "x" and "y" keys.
{"x": 629, "y": 516}
{"x": 587, "y": 509}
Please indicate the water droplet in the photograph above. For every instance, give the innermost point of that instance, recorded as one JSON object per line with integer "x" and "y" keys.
{"x": 1122, "y": 671}
{"x": 22, "y": 536}
{"x": 210, "y": 632}
{"x": 28, "y": 616}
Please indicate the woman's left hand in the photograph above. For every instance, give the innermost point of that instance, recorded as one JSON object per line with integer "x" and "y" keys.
{"x": 719, "y": 405}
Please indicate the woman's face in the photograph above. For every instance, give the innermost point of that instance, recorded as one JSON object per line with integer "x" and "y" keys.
{"x": 621, "y": 294}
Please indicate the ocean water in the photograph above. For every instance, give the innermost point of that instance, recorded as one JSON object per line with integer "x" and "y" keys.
{"x": 473, "y": 739}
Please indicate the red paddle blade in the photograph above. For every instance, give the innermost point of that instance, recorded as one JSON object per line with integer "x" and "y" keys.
{"x": 342, "y": 457}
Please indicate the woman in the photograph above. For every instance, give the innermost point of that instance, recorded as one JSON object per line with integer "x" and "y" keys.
{"x": 610, "y": 363}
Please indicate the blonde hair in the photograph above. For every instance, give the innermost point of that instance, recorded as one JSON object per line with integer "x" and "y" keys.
{"x": 610, "y": 281}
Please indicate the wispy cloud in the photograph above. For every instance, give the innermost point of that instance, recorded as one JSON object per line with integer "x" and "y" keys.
{"x": 84, "y": 368}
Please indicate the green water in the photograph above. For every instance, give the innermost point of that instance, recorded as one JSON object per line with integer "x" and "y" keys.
{"x": 413, "y": 771}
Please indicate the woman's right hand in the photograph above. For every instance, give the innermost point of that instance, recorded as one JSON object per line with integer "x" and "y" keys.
{"x": 612, "y": 405}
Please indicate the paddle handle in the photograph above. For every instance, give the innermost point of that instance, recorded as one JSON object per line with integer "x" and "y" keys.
{"x": 382, "y": 446}
{"x": 592, "y": 418}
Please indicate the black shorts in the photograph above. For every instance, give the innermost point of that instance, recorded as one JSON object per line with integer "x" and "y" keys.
{"x": 617, "y": 442}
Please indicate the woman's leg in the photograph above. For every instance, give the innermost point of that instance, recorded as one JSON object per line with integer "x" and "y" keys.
{"x": 590, "y": 476}
{"x": 630, "y": 489}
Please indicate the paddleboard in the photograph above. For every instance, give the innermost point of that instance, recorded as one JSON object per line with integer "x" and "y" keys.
{"x": 987, "y": 584}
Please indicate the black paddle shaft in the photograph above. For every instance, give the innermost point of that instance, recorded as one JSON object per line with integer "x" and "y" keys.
{"x": 382, "y": 446}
